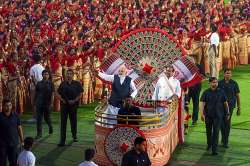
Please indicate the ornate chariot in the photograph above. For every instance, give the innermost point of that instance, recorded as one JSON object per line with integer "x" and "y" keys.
{"x": 145, "y": 53}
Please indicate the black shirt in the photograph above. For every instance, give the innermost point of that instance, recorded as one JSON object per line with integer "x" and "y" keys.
{"x": 44, "y": 91}
{"x": 9, "y": 130}
{"x": 69, "y": 91}
{"x": 214, "y": 102}
{"x": 197, "y": 87}
{"x": 231, "y": 89}
{"x": 132, "y": 110}
{"x": 132, "y": 158}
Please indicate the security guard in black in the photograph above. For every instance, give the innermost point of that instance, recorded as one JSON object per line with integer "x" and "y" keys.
{"x": 214, "y": 107}
{"x": 232, "y": 91}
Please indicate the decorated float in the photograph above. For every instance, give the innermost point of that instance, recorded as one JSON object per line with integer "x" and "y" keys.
{"x": 145, "y": 53}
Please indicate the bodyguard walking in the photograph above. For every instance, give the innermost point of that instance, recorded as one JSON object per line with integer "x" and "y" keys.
{"x": 194, "y": 94}
{"x": 44, "y": 96}
{"x": 232, "y": 91}
{"x": 11, "y": 130}
{"x": 69, "y": 93}
{"x": 214, "y": 107}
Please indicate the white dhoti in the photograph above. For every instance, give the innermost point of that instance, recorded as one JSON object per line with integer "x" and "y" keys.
{"x": 212, "y": 63}
{"x": 111, "y": 112}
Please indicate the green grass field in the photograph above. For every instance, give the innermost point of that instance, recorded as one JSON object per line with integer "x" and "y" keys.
{"x": 192, "y": 152}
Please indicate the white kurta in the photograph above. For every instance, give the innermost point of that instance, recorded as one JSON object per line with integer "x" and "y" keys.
{"x": 111, "y": 110}
{"x": 36, "y": 72}
{"x": 26, "y": 158}
{"x": 215, "y": 39}
{"x": 88, "y": 163}
{"x": 164, "y": 92}
{"x": 212, "y": 59}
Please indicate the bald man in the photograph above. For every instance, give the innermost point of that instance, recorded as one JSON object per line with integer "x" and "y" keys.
{"x": 122, "y": 87}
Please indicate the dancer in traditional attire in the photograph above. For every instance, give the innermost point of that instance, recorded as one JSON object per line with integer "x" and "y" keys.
{"x": 243, "y": 54}
{"x": 13, "y": 80}
{"x": 56, "y": 69}
{"x": 88, "y": 93}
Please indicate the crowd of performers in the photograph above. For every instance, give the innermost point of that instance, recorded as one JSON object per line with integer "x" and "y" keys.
{"x": 78, "y": 32}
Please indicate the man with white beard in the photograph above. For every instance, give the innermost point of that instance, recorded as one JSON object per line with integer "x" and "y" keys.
{"x": 122, "y": 87}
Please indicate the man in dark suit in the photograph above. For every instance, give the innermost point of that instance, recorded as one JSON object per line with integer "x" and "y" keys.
{"x": 69, "y": 93}
{"x": 214, "y": 107}
{"x": 232, "y": 91}
{"x": 128, "y": 109}
{"x": 194, "y": 94}
{"x": 44, "y": 99}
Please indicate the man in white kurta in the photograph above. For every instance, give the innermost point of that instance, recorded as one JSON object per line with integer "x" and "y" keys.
{"x": 166, "y": 88}
{"x": 35, "y": 76}
{"x": 120, "y": 83}
{"x": 213, "y": 52}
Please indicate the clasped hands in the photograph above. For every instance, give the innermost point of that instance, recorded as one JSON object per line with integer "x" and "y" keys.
{"x": 70, "y": 102}
{"x": 203, "y": 117}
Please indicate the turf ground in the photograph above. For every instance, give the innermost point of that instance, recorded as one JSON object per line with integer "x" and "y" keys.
{"x": 192, "y": 152}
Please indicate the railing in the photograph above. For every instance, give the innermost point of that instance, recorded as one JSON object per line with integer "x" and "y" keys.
{"x": 148, "y": 119}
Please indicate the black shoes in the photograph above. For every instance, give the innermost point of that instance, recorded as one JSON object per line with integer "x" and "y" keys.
{"x": 61, "y": 144}
{"x": 194, "y": 123}
{"x": 214, "y": 153}
{"x": 75, "y": 140}
{"x": 50, "y": 131}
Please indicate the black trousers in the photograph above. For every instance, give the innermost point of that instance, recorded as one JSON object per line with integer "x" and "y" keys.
{"x": 212, "y": 130}
{"x": 225, "y": 128}
{"x": 194, "y": 95}
{"x": 71, "y": 111}
{"x": 9, "y": 152}
{"x": 43, "y": 112}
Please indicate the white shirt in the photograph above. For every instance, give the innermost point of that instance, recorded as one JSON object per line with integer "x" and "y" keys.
{"x": 110, "y": 78}
{"x": 88, "y": 163}
{"x": 36, "y": 72}
{"x": 163, "y": 91}
{"x": 215, "y": 39}
{"x": 26, "y": 158}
